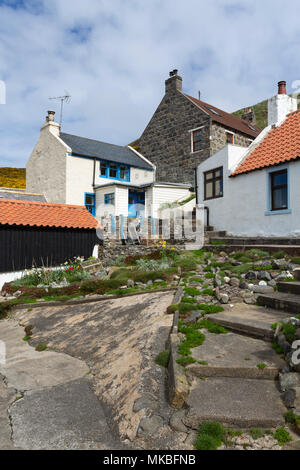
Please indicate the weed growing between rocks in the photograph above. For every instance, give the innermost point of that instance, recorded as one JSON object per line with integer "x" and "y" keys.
{"x": 163, "y": 358}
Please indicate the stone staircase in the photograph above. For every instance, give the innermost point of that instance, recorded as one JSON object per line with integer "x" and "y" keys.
{"x": 235, "y": 378}
{"x": 287, "y": 298}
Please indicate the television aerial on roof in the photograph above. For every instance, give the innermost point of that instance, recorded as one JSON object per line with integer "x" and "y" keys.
{"x": 63, "y": 99}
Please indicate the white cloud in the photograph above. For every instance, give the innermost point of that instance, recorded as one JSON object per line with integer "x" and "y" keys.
{"x": 114, "y": 55}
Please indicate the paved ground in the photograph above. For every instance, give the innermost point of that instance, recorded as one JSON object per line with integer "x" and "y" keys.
{"x": 66, "y": 407}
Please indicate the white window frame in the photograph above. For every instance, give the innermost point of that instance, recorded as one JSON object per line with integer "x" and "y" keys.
{"x": 191, "y": 132}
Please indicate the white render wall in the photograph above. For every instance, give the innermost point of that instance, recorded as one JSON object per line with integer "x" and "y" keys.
{"x": 241, "y": 211}
{"x": 166, "y": 194}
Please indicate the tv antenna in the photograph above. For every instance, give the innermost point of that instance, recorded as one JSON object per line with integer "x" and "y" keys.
{"x": 63, "y": 99}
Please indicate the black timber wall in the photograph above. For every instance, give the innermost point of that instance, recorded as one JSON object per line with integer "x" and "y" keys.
{"x": 24, "y": 247}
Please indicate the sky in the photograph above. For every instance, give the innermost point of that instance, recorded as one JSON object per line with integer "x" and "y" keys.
{"x": 113, "y": 56}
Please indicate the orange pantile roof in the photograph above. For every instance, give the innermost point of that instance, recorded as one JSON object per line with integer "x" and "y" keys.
{"x": 43, "y": 214}
{"x": 281, "y": 144}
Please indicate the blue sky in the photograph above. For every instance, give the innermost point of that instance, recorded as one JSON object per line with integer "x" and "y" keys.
{"x": 114, "y": 55}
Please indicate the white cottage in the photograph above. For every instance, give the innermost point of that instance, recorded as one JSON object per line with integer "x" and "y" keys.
{"x": 256, "y": 192}
{"x": 107, "y": 179}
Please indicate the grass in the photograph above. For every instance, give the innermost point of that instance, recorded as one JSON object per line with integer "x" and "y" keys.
{"x": 282, "y": 436}
{"x": 210, "y": 436}
{"x": 278, "y": 349}
{"x": 210, "y": 309}
{"x": 217, "y": 243}
{"x": 41, "y": 347}
{"x": 208, "y": 292}
{"x": 261, "y": 366}
{"x": 289, "y": 331}
{"x": 186, "y": 264}
{"x": 290, "y": 417}
{"x": 296, "y": 260}
{"x": 209, "y": 275}
{"x": 163, "y": 358}
{"x": 193, "y": 339}
{"x": 192, "y": 291}
{"x": 256, "y": 433}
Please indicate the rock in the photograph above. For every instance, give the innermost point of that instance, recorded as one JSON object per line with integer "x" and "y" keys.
{"x": 191, "y": 439}
{"x": 150, "y": 425}
{"x": 176, "y": 421}
{"x": 17, "y": 293}
{"x": 193, "y": 317}
{"x": 234, "y": 282}
{"x": 158, "y": 280}
{"x": 250, "y": 300}
{"x": 297, "y": 334}
{"x": 251, "y": 276}
{"x": 149, "y": 283}
{"x": 289, "y": 398}
{"x": 217, "y": 282}
{"x": 262, "y": 283}
{"x": 145, "y": 402}
{"x": 224, "y": 298}
{"x": 130, "y": 283}
{"x": 289, "y": 380}
{"x": 279, "y": 264}
{"x": 264, "y": 276}
{"x": 227, "y": 280}
{"x": 297, "y": 399}
{"x": 272, "y": 283}
{"x": 263, "y": 289}
{"x": 243, "y": 285}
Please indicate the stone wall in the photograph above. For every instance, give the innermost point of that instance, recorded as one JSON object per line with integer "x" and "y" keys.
{"x": 166, "y": 141}
{"x": 219, "y": 139}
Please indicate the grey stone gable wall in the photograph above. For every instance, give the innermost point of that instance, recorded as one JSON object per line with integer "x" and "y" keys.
{"x": 166, "y": 141}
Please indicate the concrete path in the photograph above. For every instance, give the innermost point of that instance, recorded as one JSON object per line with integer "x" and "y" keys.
{"x": 47, "y": 401}
{"x": 118, "y": 340}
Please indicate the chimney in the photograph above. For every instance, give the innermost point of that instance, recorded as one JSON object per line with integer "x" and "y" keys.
{"x": 280, "y": 106}
{"x": 174, "y": 82}
{"x": 249, "y": 115}
{"x": 282, "y": 88}
{"x": 51, "y": 125}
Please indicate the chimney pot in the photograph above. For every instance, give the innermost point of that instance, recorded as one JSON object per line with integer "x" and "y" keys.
{"x": 174, "y": 82}
{"x": 282, "y": 88}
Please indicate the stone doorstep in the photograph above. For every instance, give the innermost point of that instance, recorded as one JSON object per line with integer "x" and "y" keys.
{"x": 289, "y": 287}
{"x": 261, "y": 332}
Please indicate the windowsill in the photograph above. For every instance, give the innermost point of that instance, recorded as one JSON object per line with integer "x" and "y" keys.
{"x": 212, "y": 198}
{"x": 279, "y": 212}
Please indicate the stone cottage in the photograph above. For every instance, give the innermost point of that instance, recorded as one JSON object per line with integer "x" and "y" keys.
{"x": 185, "y": 131}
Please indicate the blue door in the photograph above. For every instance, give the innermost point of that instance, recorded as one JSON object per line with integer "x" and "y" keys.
{"x": 136, "y": 202}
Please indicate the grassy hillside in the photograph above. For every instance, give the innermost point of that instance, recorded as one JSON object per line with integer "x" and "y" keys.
{"x": 13, "y": 178}
{"x": 261, "y": 113}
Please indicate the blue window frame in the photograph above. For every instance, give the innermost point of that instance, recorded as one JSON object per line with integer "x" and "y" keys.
{"x": 90, "y": 202}
{"x": 114, "y": 171}
{"x": 109, "y": 198}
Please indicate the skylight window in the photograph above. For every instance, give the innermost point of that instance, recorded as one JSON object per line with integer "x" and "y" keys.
{"x": 250, "y": 127}
{"x": 213, "y": 111}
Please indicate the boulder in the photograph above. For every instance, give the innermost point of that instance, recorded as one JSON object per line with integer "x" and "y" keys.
{"x": 264, "y": 276}
{"x": 251, "y": 276}
{"x": 224, "y": 298}
{"x": 296, "y": 274}
{"x": 234, "y": 282}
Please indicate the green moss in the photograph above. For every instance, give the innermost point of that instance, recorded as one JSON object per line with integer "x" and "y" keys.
{"x": 208, "y": 292}
{"x": 289, "y": 331}
{"x": 278, "y": 349}
{"x": 192, "y": 291}
{"x": 210, "y": 309}
{"x": 196, "y": 279}
{"x": 217, "y": 243}
{"x": 185, "y": 361}
{"x": 261, "y": 366}
{"x": 163, "y": 358}
{"x": 203, "y": 363}
{"x": 296, "y": 260}
{"x": 210, "y": 436}
{"x": 290, "y": 417}
{"x": 209, "y": 275}
{"x": 41, "y": 347}
{"x": 206, "y": 442}
{"x": 186, "y": 264}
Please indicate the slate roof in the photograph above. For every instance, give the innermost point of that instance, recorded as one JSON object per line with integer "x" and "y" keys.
{"x": 21, "y": 195}
{"x": 44, "y": 214}
{"x": 281, "y": 144}
{"x": 110, "y": 152}
{"x": 227, "y": 119}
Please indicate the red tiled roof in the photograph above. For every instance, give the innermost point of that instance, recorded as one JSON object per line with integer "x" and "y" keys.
{"x": 227, "y": 119}
{"x": 280, "y": 145}
{"x": 43, "y": 214}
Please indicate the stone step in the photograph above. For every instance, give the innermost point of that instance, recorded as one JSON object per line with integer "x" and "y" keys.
{"x": 238, "y": 402}
{"x": 291, "y": 250}
{"x": 233, "y": 355}
{"x": 281, "y": 301}
{"x": 289, "y": 287}
{"x": 249, "y": 320}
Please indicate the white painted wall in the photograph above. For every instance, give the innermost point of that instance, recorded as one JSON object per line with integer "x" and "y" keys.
{"x": 79, "y": 179}
{"x": 242, "y": 209}
{"x": 108, "y": 208}
{"x": 121, "y": 201}
{"x": 279, "y": 106}
{"x": 164, "y": 194}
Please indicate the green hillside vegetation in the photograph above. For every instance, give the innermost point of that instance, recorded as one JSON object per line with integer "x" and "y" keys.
{"x": 261, "y": 113}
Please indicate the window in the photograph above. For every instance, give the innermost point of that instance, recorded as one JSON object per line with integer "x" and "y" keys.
{"x": 279, "y": 190}
{"x": 213, "y": 111}
{"x": 213, "y": 184}
{"x": 229, "y": 138}
{"x": 109, "y": 198}
{"x": 197, "y": 138}
{"x": 114, "y": 171}
{"x": 103, "y": 168}
{"x": 90, "y": 202}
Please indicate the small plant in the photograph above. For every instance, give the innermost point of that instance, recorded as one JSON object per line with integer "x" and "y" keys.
{"x": 186, "y": 360}
{"x": 210, "y": 436}
{"x": 41, "y": 347}
{"x": 203, "y": 363}
{"x": 278, "y": 349}
{"x": 247, "y": 359}
{"x": 261, "y": 366}
{"x": 192, "y": 291}
{"x": 163, "y": 358}
{"x": 208, "y": 292}
{"x": 210, "y": 309}
{"x": 209, "y": 275}
{"x": 282, "y": 436}
{"x": 290, "y": 417}
{"x": 296, "y": 260}
{"x": 256, "y": 433}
